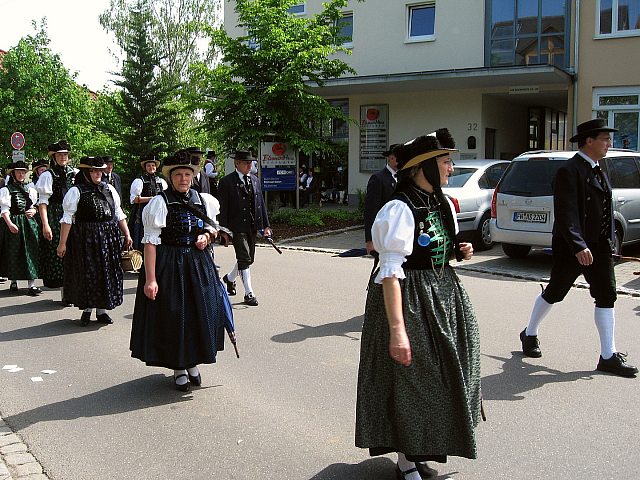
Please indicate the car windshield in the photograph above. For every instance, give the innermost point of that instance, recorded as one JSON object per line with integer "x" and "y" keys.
{"x": 460, "y": 176}
{"x": 530, "y": 178}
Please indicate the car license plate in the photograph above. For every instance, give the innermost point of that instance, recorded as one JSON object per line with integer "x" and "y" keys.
{"x": 530, "y": 217}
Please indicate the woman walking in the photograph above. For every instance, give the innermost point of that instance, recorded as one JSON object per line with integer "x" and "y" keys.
{"x": 178, "y": 320}
{"x": 19, "y": 230}
{"x": 90, "y": 243}
{"x": 142, "y": 190}
{"x": 419, "y": 375}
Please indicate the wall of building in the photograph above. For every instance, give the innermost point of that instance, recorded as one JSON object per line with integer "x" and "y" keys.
{"x": 510, "y": 121}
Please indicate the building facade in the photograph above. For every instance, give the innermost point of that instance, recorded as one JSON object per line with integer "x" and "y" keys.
{"x": 505, "y": 76}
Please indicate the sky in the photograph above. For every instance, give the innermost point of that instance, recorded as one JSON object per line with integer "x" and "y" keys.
{"x": 75, "y": 33}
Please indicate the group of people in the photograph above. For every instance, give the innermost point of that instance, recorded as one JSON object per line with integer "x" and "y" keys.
{"x": 419, "y": 376}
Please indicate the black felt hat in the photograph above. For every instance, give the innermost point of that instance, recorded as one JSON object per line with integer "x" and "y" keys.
{"x": 61, "y": 146}
{"x": 18, "y": 165}
{"x": 39, "y": 163}
{"x": 211, "y": 154}
{"x": 392, "y": 149}
{"x": 243, "y": 155}
{"x": 144, "y": 159}
{"x": 425, "y": 147}
{"x": 92, "y": 162}
{"x": 587, "y": 129}
{"x": 181, "y": 159}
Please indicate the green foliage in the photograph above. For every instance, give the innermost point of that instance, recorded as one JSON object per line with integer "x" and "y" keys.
{"x": 263, "y": 86}
{"x": 312, "y": 216}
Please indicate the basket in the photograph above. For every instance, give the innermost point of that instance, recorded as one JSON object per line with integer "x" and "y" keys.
{"x": 131, "y": 260}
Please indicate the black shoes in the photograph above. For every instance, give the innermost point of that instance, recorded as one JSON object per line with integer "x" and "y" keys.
{"x": 184, "y": 387}
{"x": 13, "y": 287}
{"x": 530, "y": 344}
{"x": 34, "y": 291}
{"x": 231, "y": 286}
{"x": 84, "y": 318}
{"x": 251, "y": 300}
{"x": 104, "y": 318}
{"x": 197, "y": 381}
{"x": 617, "y": 365}
{"x": 426, "y": 471}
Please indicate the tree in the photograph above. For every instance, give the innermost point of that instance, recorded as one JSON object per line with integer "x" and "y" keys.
{"x": 263, "y": 86}
{"x": 144, "y": 110}
{"x": 39, "y": 97}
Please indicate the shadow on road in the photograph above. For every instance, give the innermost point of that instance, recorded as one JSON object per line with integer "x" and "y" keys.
{"x": 518, "y": 377}
{"x": 140, "y": 393}
{"x": 335, "y": 329}
{"x": 66, "y": 326}
{"x": 26, "y": 306}
{"x": 380, "y": 468}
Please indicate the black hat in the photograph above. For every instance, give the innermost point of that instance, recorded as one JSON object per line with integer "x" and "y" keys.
{"x": 392, "y": 150}
{"x": 422, "y": 148}
{"x": 107, "y": 159}
{"x": 61, "y": 146}
{"x": 194, "y": 150}
{"x": 211, "y": 154}
{"x": 191, "y": 153}
{"x": 18, "y": 165}
{"x": 39, "y": 163}
{"x": 92, "y": 162}
{"x": 181, "y": 159}
{"x": 144, "y": 159}
{"x": 587, "y": 129}
{"x": 243, "y": 155}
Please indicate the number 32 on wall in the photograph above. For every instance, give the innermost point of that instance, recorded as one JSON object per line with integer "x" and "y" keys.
{"x": 472, "y": 127}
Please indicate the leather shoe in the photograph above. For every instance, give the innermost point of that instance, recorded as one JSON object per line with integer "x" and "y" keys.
{"x": 34, "y": 291}
{"x": 530, "y": 344}
{"x": 425, "y": 470}
{"x": 197, "y": 380}
{"x": 231, "y": 286}
{"x": 13, "y": 287}
{"x": 251, "y": 300}
{"x": 617, "y": 365}
{"x": 84, "y": 318}
{"x": 104, "y": 318}
{"x": 181, "y": 387}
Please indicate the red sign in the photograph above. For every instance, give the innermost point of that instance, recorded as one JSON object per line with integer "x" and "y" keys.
{"x": 278, "y": 149}
{"x": 17, "y": 140}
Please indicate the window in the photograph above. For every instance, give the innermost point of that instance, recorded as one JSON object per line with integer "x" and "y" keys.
{"x": 298, "y": 9}
{"x": 422, "y": 21}
{"x": 618, "y": 17}
{"x": 620, "y": 107}
{"x": 623, "y": 172}
{"x": 345, "y": 23}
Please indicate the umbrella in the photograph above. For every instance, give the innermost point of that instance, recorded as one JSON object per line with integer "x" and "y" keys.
{"x": 229, "y": 324}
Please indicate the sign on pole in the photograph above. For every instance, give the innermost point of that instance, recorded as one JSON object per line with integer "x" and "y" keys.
{"x": 17, "y": 155}
{"x": 17, "y": 140}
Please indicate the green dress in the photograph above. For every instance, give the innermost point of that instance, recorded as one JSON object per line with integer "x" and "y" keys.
{"x": 430, "y": 409}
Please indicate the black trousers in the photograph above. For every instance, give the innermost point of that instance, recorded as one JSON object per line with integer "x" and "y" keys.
{"x": 566, "y": 269}
{"x": 245, "y": 247}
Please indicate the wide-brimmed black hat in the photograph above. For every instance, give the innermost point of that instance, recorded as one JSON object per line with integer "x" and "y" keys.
{"x": 425, "y": 147}
{"x": 195, "y": 150}
{"x": 107, "y": 159}
{"x": 243, "y": 155}
{"x": 61, "y": 146}
{"x": 587, "y": 129}
{"x": 392, "y": 149}
{"x": 39, "y": 163}
{"x": 181, "y": 159}
{"x": 211, "y": 154}
{"x": 92, "y": 162}
{"x": 149, "y": 159}
{"x": 18, "y": 165}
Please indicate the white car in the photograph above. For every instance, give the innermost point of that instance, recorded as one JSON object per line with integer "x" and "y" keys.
{"x": 471, "y": 187}
{"x": 522, "y": 205}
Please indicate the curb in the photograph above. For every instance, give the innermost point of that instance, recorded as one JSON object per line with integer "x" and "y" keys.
{"x": 320, "y": 234}
{"x": 16, "y": 462}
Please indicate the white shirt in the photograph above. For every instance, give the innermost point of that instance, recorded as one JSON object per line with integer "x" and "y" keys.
{"x": 5, "y": 199}
{"x": 393, "y": 234}
{"x": 44, "y": 186}
{"x": 209, "y": 170}
{"x": 72, "y": 197}
{"x": 137, "y": 185}
{"x": 154, "y": 217}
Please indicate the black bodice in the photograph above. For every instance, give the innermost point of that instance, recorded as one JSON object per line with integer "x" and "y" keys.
{"x": 182, "y": 225}
{"x": 151, "y": 185}
{"x": 96, "y": 204}
{"x": 62, "y": 181}
{"x": 20, "y": 200}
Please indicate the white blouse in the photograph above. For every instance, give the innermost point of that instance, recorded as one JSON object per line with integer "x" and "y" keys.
{"x": 154, "y": 217}
{"x": 136, "y": 188}
{"x": 72, "y": 197}
{"x": 5, "y": 199}
{"x": 44, "y": 186}
{"x": 393, "y": 233}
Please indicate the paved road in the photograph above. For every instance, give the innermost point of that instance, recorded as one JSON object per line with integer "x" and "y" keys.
{"x": 286, "y": 408}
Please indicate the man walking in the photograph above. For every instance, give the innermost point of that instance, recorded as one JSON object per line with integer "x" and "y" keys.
{"x": 111, "y": 177}
{"x": 379, "y": 191}
{"x": 582, "y": 244}
{"x": 243, "y": 212}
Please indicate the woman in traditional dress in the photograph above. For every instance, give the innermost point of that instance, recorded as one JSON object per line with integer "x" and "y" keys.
{"x": 178, "y": 320}
{"x": 37, "y": 169}
{"x": 19, "y": 230}
{"x": 143, "y": 189}
{"x": 90, "y": 243}
{"x": 52, "y": 186}
{"x": 419, "y": 375}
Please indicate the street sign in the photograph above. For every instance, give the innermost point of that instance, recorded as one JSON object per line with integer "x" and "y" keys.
{"x": 17, "y": 140}
{"x": 17, "y": 156}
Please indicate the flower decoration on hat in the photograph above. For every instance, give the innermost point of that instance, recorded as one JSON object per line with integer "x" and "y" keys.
{"x": 425, "y": 147}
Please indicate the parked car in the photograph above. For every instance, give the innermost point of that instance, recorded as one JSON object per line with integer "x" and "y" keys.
{"x": 471, "y": 188}
{"x": 522, "y": 205}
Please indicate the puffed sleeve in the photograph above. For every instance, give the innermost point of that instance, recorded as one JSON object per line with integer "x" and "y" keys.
{"x": 5, "y": 200}
{"x": 212, "y": 207}
{"x": 455, "y": 215}
{"x": 120, "y": 215}
{"x": 154, "y": 219}
{"x": 33, "y": 194}
{"x": 392, "y": 234}
{"x": 135, "y": 190}
{"x": 70, "y": 205}
{"x": 164, "y": 184}
{"x": 44, "y": 186}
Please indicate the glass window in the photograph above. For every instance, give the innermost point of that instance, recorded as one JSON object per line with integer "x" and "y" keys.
{"x": 346, "y": 28}
{"x": 422, "y": 19}
{"x": 501, "y": 52}
{"x": 553, "y": 16}
{"x": 628, "y": 14}
{"x": 493, "y": 174}
{"x": 618, "y": 16}
{"x": 627, "y": 134}
{"x": 502, "y": 15}
{"x": 623, "y": 172}
{"x": 298, "y": 9}
{"x": 527, "y": 16}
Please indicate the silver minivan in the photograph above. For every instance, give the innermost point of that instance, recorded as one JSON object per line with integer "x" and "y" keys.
{"x": 522, "y": 205}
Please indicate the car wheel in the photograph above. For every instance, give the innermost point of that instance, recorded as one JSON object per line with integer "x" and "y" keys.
{"x": 617, "y": 240}
{"x": 515, "y": 251}
{"x": 482, "y": 240}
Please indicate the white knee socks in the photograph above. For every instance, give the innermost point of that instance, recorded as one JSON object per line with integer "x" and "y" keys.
{"x": 605, "y": 323}
{"x": 246, "y": 281}
{"x": 540, "y": 310}
{"x": 406, "y": 465}
{"x": 231, "y": 276}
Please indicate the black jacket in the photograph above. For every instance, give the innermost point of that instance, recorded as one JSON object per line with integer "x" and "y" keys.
{"x": 379, "y": 191}
{"x": 115, "y": 183}
{"x": 235, "y": 205}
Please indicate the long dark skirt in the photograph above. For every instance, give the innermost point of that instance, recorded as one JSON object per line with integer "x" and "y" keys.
{"x": 184, "y": 325}
{"x": 92, "y": 271}
{"x": 136, "y": 229}
{"x": 51, "y": 266}
{"x": 19, "y": 254}
{"x": 428, "y": 410}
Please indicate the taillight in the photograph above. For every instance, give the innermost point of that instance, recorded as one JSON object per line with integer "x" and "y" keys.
{"x": 494, "y": 213}
{"x": 456, "y": 204}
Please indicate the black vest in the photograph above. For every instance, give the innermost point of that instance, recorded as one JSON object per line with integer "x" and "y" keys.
{"x": 182, "y": 226}
{"x": 95, "y": 204}
{"x": 20, "y": 199}
{"x": 151, "y": 185}
{"x": 62, "y": 182}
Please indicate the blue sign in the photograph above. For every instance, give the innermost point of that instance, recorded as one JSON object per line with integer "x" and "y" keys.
{"x": 279, "y": 178}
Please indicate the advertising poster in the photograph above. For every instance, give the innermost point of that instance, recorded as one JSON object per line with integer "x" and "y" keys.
{"x": 278, "y": 166}
{"x": 374, "y": 136}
